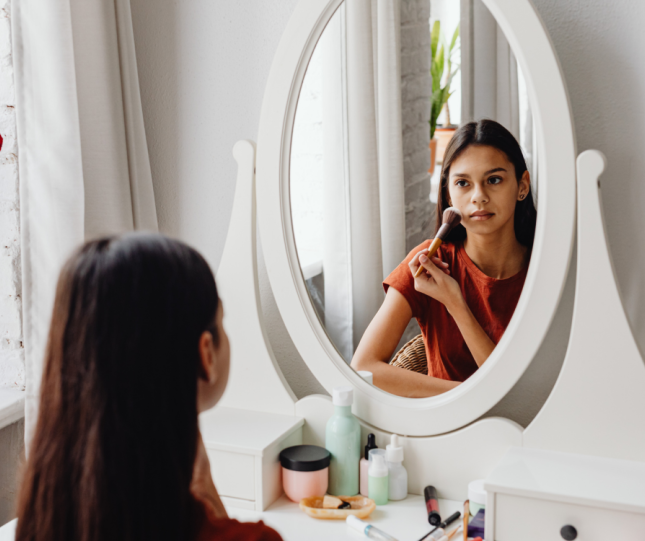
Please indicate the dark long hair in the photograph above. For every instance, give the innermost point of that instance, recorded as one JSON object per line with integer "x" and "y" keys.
{"x": 113, "y": 451}
{"x": 488, "y": 133}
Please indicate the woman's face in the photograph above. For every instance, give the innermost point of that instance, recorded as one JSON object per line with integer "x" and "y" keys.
{"x": 483, "y": 186}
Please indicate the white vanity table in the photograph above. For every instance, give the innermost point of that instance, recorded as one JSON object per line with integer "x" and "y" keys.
{"x": 591, "y": 412}
{"x": 405, "y": 520}
{"x": 601, "y": 498}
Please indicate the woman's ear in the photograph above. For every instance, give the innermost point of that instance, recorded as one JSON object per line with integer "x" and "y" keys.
{"x": 208, "y": 362}
{"x": 214, "y": 361}
{"x": 524, "y": 186}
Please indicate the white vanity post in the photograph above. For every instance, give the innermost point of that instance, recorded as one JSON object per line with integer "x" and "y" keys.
{"x": 583, "y": 461}
{"x": 256, "y": 418}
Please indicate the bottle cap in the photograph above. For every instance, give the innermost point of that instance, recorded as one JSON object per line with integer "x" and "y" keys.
{"x": 394, "y": 451}
{"x": 476, "y": 492}
{"x": 305, "y": 458}
{"x": 378, "y": 467}
{"x": 371, "y": 444}
{"x": 367, "y": 376}
{"x": 356, "y": 523}
{"x": 343, "y": 396}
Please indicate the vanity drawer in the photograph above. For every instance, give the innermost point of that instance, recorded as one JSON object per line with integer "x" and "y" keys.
{"x": 530, "y": 519}
{"x": 233, "y": 474}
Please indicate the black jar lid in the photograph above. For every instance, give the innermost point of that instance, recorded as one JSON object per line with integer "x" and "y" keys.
{"x": 305, "y": 458}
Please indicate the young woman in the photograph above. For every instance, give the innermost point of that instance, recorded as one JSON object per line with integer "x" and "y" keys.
{"x": 465, "y": 298}
{"x": 136, "y": 350}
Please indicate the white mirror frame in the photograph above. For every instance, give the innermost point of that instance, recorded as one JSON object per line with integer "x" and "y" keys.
{"x": 551, "y": 252}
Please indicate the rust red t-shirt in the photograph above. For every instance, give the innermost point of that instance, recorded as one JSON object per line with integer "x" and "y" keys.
{"x": 228, "y": 529}
{"x": 211, "y": 528}
{"x": 491, "y": 301}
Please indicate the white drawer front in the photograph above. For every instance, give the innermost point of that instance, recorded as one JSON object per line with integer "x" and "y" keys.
{"x": 233, "y": 474}
{"x": 529, "y": 519}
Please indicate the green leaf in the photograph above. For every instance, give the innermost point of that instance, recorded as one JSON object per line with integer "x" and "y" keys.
{"x": 454, "y": 39}
{"x": 450, "y": 78}
{"x": 436, "y": 70}
{"x": 442, "y": 52}
{"x": 434, "y": 37}
{"x": 440, "y": 62}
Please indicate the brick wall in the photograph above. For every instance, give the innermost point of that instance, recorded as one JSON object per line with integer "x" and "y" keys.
{"x": 416, "y": 89}
{"x": 12, "y": 365}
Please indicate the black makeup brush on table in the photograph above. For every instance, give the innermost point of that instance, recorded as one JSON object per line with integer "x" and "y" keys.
{"x": 443, "y": 524}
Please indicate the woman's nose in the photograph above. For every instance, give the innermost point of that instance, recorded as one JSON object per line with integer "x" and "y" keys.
{"x": 480, "y": 195}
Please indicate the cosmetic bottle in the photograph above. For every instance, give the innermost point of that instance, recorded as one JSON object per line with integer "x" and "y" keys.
{"x": 476, "y": 496}
{"x": 365, "y": 465}
{"x": 378, "y": 489}
{"x": 343, "y": 441}
{"x": 305, "y": 471}
{"x": 397, "y": 473}
{"x": 368, "y": 530}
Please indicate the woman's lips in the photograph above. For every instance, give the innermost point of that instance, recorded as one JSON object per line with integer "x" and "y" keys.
{"x": 481, "y": 217}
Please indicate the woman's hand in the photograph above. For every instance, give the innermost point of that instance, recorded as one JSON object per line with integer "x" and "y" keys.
{"x": 202, "y": 487}
{"x": 438, "y": 284}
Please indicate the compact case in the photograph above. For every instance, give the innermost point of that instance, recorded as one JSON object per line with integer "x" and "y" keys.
{"x": 305, "y": 471}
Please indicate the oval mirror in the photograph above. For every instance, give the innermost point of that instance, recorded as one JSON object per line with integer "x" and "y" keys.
{"x": 397, "y": 111}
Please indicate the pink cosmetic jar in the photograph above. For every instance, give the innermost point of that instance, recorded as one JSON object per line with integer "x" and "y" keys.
{"x": 305, "y": 471}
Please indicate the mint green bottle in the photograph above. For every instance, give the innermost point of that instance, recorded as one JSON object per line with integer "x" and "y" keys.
{"x": 378, "y": 483}
{"x": 343, "y": 441}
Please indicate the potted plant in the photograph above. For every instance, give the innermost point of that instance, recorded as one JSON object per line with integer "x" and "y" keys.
{"x": 441, "y": 62}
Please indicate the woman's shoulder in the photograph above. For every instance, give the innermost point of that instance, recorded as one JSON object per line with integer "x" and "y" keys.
{"x": 227, "y": 529}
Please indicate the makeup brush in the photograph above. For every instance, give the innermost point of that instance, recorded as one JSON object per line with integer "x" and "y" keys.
{"x": 451, "y": 218}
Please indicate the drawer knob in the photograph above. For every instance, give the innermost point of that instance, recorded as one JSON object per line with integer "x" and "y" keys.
{"x": 568, "y": 532}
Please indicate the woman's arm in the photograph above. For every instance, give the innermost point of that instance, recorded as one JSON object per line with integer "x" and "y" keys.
{"x": 378, "y": 344}
{"x": 446, "y": 290}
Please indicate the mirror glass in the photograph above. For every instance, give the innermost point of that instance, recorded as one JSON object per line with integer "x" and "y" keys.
{"x": 370, "y": 170}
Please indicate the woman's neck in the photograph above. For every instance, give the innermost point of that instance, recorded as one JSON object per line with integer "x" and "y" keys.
{"x": 498, "y": 256}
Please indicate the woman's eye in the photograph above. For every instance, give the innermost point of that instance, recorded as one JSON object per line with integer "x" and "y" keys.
{"x": 461, "y": 183}
{"x": 495, "y": 180}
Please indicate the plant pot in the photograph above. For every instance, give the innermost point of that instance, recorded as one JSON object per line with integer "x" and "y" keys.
{"x": 443, "y": 137}
{"x": 433, "y": 155}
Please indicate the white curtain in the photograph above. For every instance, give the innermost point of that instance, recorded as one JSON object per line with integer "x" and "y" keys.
{"x": 390, "y": 134}
{"x": 364, "y": 209}
{"x": 83, "y": 159}
{"x": 492, "y": 85}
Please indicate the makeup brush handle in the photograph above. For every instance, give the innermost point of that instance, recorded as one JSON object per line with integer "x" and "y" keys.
{"x": 432, "y": 250}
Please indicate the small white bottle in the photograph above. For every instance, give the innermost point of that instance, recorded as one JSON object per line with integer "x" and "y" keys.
{"x": 398, "y": 474}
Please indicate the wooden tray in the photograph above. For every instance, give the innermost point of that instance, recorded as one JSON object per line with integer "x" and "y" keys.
{"x": 361, "y": 507}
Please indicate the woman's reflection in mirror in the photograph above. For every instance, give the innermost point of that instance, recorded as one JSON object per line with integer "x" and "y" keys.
{"x": 466, "y": 298}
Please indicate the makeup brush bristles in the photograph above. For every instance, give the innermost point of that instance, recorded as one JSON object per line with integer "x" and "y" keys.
{"x": 451, "y": 216}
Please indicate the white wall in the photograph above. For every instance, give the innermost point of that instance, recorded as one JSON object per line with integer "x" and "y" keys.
{"x": 12, "y": 357}
{"x": 203, "y": 66}
{"x": 416, "y": 90}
